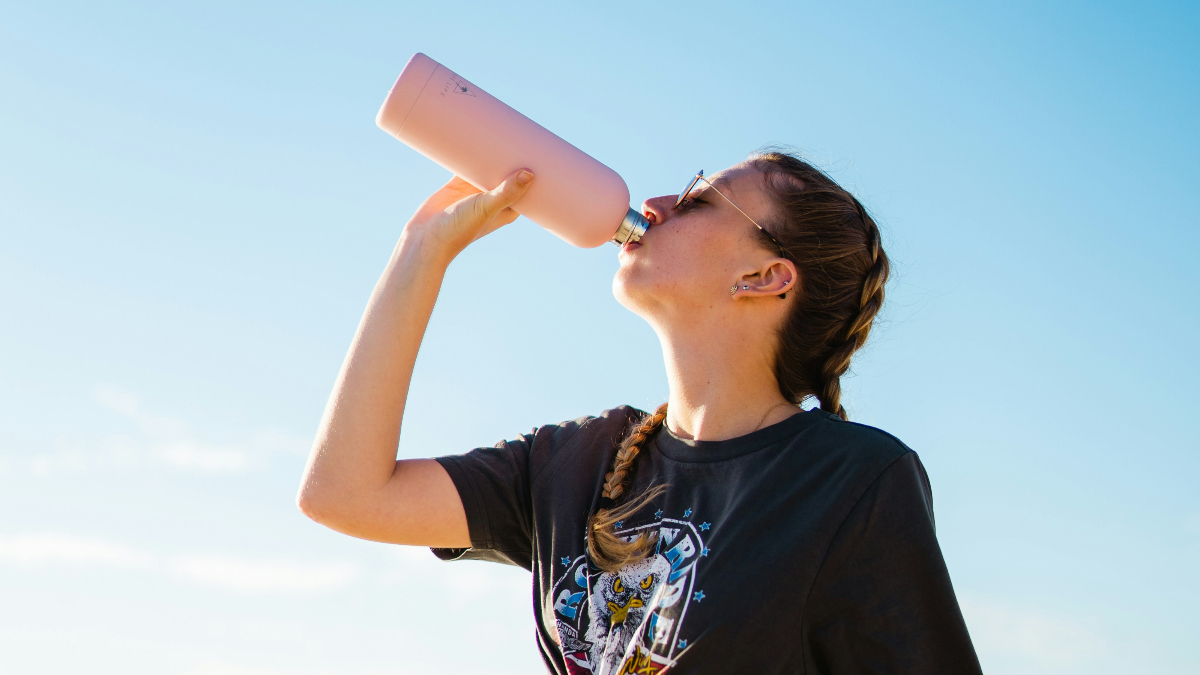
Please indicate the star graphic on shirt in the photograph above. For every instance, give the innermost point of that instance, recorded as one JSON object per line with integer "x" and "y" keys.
{"x": 682, "y": 644}
{"x": 704, "y": 551}
{"x": 658, "y": 513}
{"x": 698, "y": 596}
{"x": 705, "y": 526}
{"x": 687, "y": 513}
{"x": 566, "y": 560}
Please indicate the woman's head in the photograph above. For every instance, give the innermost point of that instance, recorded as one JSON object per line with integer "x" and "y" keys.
{"x": 804, "y": 293}
{"x": 692, "y": 254}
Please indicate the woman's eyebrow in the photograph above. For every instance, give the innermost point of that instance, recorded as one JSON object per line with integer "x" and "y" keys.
{"x": 723, "y": 185}
{"x": 722, "y": 188}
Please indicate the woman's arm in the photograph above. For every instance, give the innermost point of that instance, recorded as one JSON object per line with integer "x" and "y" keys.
{"x": 353, "y": 482}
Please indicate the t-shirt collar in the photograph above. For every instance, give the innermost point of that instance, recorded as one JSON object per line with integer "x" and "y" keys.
{"x": 685, "y": 450}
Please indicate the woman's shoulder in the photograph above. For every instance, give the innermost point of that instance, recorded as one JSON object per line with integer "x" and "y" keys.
{"x": 858, "y": 442}
{"x": 865, "y": 434}
{"x": 590, "y": 428}
{"x": 587, "y": 435}
{"x": 855, "y": 460}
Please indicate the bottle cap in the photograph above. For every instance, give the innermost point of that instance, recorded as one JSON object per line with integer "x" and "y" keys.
{"x": 633, "y": 226}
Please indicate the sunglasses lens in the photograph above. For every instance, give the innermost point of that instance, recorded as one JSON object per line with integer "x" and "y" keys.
{"x": 691, "y": 184}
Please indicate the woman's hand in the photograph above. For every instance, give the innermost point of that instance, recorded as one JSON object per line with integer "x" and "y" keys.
{"x": 459, "y": 213}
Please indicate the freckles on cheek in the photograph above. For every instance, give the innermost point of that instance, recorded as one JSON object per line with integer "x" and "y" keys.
{"x": 690, "y": 263}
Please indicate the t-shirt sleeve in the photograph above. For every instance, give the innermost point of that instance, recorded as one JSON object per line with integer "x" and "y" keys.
{"x": 882, "y": 601}
{"x": 493, "y": 484}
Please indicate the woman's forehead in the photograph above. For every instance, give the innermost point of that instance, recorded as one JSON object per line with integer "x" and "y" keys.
{"x": 730, "y": 179}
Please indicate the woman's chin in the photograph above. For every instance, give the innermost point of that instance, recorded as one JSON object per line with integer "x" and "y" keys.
{"x": 625, "y": 286}
{"x": 636, "y": 291}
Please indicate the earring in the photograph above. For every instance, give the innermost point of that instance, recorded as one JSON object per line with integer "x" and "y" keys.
{"x": 733, "y": 289}
{"x": 745, "y": 288}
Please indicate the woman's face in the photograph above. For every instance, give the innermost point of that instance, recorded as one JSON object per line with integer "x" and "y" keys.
{"x": 691, "y": 256}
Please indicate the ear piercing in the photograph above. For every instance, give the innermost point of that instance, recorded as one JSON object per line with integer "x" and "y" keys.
{"x": 733, "y": 290}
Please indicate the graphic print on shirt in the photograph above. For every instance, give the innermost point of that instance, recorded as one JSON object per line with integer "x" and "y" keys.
{"x": 629, "y": 621}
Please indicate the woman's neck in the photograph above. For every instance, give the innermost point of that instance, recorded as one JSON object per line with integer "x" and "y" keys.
{"x": 722, "y": 385}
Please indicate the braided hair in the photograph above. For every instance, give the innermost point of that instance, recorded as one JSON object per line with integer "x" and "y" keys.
{"x": 836, "y": 247}
{"x": 608, "y": 551}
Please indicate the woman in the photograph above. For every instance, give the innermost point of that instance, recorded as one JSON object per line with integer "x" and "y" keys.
{"x": 728, "y": 531}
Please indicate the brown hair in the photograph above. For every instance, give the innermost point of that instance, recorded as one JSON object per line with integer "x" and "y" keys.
{"x": 608, "y": 551}
{"x": 836, "y": 247}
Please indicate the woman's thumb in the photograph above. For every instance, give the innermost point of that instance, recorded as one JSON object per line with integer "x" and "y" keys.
{"x": 508, "y": 192}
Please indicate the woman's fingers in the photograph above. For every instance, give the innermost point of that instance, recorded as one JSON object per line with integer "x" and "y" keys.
{"x": 507, "y": 216}
{"x": 500, "y": 220}
{"x": 488, "y": 205}
{"x": 459, "y": 213}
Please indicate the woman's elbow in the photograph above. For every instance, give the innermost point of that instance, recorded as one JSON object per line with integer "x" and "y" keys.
{"x": 313, "y": 503}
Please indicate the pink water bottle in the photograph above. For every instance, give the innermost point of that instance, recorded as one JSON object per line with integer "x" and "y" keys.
{"x": 478, "y": 137}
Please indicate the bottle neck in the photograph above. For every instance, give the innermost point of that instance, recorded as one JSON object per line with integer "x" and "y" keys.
{"x": 633, "y": 226}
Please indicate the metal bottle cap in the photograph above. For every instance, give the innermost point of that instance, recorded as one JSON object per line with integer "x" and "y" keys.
{"x": 633, "y": 226}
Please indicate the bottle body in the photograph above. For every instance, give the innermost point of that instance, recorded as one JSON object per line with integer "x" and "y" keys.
{"x": 482, "y": 140}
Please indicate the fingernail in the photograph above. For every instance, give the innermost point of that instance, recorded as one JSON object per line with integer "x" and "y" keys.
{"x": 524, "y": 177}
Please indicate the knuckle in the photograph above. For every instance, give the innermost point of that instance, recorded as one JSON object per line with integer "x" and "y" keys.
{"x": 479, "y": 206}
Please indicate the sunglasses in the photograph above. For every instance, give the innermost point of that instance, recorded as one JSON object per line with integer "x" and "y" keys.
{"x": 700, "y": 177}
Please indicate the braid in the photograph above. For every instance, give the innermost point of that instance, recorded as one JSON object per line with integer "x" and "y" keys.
{"x": 608, "y": 551}
{"x": 614, "y": 481}
{"x": 836, "y": 247}
{"x": 859, "y": 327}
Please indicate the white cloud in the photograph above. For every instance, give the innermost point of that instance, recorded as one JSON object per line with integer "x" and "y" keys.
{"x": 156, "y": 440}
{"x": 205, "y": 458}
{"x": 68, "y": 460}
{"x": 274, "y": 441}
{"x": 227, "y": 573}
{"x": 1027, "y": 641}
{"x": 117, "y": 400}
{"x": 264, "y": 576}
{"x": 218, "y": 668}
{"x": 115, "y": 452}
{"x": 28, "y": 550}
{"x": 169, "y": 441}
{"x": 460, "y": 582}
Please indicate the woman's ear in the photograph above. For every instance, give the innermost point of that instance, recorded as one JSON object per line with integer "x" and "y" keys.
{"x": 779, "y": 277}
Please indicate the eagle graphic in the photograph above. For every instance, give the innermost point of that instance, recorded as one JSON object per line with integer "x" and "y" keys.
{"x": 618, "y": 607}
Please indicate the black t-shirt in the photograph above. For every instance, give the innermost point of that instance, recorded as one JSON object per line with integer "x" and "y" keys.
{"x": 804, "y": 547}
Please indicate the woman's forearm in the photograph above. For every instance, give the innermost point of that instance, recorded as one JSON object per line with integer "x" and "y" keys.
{"x": 354, "y": 452}
{"x": 353, "y": 482}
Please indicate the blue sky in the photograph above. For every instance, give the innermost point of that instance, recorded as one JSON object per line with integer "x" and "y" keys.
{"x": 195, "y": 204}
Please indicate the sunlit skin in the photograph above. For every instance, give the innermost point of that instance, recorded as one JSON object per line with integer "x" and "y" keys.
{"x": 717, "y": 346}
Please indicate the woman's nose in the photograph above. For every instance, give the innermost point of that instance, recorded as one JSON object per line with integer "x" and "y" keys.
{"x": 658, "y": 209}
